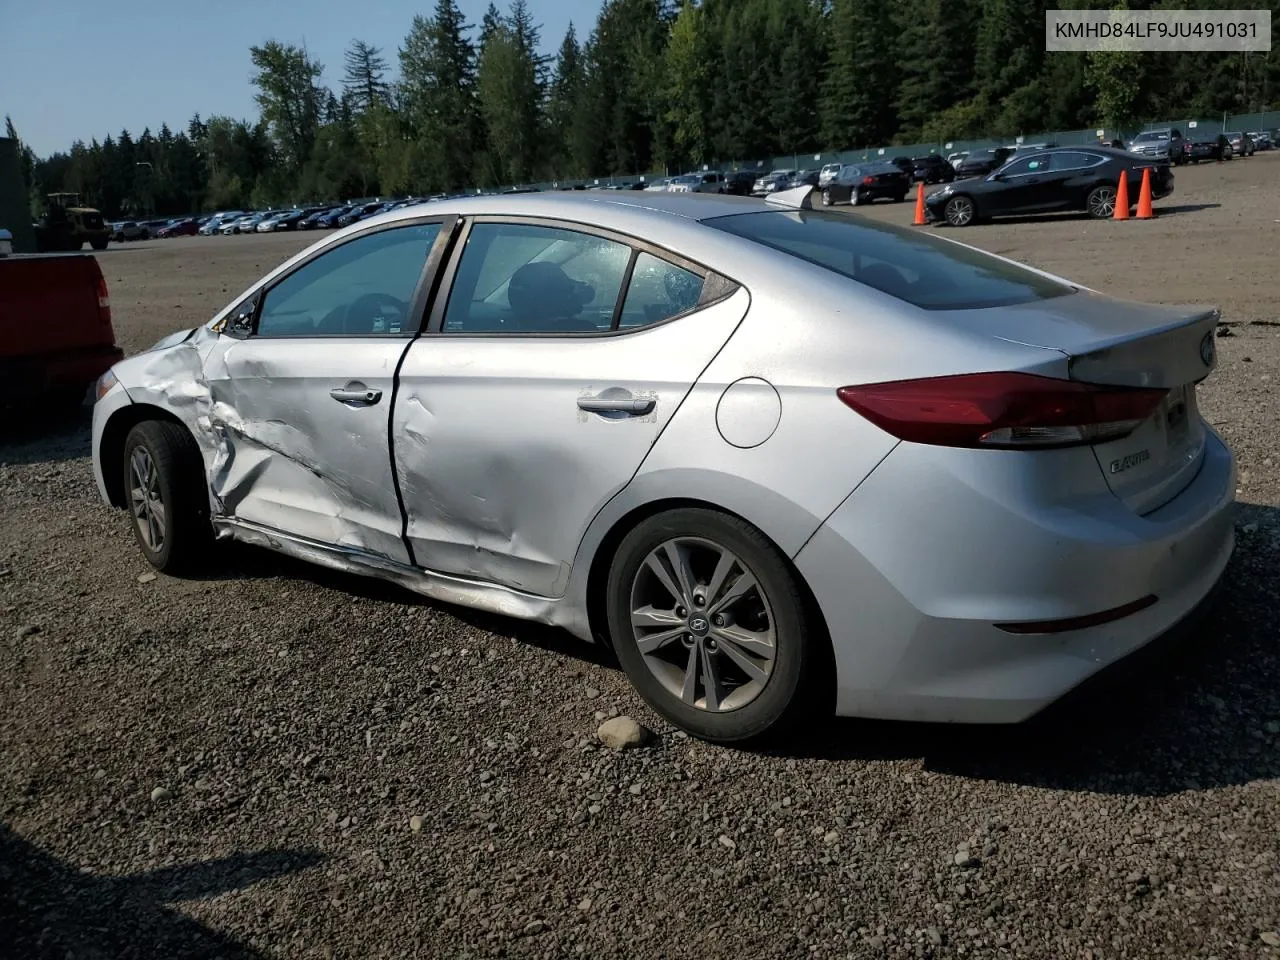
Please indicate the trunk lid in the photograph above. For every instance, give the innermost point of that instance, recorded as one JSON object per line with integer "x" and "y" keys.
{"x": 1120, "y": 343}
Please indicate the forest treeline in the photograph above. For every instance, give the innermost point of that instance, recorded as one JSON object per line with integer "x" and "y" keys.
{"x": 653, "y": 85}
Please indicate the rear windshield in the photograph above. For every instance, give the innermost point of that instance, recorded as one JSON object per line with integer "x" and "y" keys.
{"x": 923, "y": 270}
{"x": 879, "y": 166}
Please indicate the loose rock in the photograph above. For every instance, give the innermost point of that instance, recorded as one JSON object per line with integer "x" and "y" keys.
{"x": 622, "y": 733}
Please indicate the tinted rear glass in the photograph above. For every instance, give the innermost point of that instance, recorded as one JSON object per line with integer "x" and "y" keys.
{"x": 880, "y": 166}
{"x": 921, "y": 269}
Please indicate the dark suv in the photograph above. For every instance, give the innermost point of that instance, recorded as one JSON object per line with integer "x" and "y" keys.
{"x": 739, "y": 182}
{"x": 932, "y": 169}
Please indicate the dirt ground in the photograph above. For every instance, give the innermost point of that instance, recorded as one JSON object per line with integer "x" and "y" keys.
{"x": 228, "y": 767}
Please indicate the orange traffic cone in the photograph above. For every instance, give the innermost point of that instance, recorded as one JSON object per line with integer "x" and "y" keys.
{"x": 1144, "y": 197}
{"x": 1122, "y": 197}
{"x": 920, "y": 220}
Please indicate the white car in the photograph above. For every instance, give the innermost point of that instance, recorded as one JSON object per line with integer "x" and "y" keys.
{"x": 267, "y": 225}
{"x": 828, "y": 173}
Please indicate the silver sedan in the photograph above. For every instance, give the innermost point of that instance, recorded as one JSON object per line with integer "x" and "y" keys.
{"x": 782, "y": 460}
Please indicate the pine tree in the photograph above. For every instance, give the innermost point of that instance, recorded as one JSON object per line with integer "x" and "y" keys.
{"x": 364, "y": 78}
{"x": 563, "y": 102}
{"x": 438, "y": 92}
{"x": 861, "y": 82}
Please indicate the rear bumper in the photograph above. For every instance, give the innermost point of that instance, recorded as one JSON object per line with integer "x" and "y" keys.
{"x": 915, "y": 569}
{"x": 21, "y": 378}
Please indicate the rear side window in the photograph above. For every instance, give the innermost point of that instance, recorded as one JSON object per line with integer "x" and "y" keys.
{"x": 658, "y": 291}
{"x": 920, "y": 269}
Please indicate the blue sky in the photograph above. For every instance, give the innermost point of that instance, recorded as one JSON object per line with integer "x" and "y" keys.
{"x": 137, "y": 63}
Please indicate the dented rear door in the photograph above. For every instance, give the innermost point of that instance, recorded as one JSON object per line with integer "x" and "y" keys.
{"x": 302, "y": 399}
{"x": 510, "y": 431}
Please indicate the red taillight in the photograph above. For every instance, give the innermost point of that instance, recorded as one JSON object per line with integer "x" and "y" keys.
{"x": 868, "y": 180}
{"x": 104, "y": 303}
{"x": 1010, "y": 410}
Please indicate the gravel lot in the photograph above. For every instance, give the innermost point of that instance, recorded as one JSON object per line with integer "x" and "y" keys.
{"x": 232, "y": 767}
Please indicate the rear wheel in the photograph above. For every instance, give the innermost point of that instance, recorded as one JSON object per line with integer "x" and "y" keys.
{"x": 98, "y": 243}
{"x": 959, "y": 211}
{"x": 711, "y": 626}
{"x": 899, "y": 198}
{"x": 1101, "y": 202}
{"x": 165, "y": 491}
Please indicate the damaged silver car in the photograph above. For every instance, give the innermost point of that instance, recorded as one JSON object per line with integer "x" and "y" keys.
{"x": 778, "y": 458}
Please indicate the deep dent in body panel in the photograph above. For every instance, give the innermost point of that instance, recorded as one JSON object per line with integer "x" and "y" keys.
{"x": 238, "y": 452}
{"x": 474, "y": 505}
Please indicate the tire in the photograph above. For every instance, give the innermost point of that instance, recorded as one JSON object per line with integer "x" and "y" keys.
{"x": 855, "y": 198}
{"x": 1100, "y": 204}
{"x": 826, "y": 198}
{"x": 99, "y": 243}
{"x": 899, "y": 198}
{"x": 161, "y": 458}
{"x": 959, "y": 211}
{"x": 739, "y": 704}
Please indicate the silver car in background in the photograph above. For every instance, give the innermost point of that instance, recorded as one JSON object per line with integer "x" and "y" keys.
{"x": 780, "y": 459}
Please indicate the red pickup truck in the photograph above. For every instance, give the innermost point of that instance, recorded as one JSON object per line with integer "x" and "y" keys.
{"x": 56, "y": 336}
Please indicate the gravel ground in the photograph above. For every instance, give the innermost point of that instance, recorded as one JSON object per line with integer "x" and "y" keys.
{"x": 282, "y": 761}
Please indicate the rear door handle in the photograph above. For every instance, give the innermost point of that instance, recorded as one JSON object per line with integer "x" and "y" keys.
{"x": 616, "y": 405}
{"x": 356, "y": 394}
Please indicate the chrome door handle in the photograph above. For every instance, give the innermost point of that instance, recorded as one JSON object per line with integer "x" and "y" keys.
{"x": 616, "y": 405}
{"x": 356, "y": 394}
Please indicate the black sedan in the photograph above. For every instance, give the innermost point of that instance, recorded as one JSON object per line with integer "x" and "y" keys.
{"x": 1206, "y": 148}
{"x": 1062, "y": 178}
{"x": 932, "y": 169}
{"x": 864, "y": 182}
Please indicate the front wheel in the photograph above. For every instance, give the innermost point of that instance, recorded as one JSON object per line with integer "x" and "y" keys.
{"x": 855, "y": 198}
{"x": 826, "y": 198}
{"x": 958, "y": 211}
{"x": 710, "y": 625}
{"x": 98, "y": 243}
{"x": 1101, "y": 202}
{"x": 164, "y": 486}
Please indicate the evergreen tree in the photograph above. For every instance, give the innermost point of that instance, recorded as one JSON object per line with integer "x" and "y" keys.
{"x": 364, "y": 77}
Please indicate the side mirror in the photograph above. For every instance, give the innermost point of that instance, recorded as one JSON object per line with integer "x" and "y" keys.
{"x": 241, "y": 322}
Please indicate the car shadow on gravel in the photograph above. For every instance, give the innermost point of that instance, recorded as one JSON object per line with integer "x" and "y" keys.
{"x": 28, "y": 436}
{"x": 1197, "y": 709}
{"x": 52, "y": 909}
{"x": 1177, "y": 208}
{"x": 241, "y": 561}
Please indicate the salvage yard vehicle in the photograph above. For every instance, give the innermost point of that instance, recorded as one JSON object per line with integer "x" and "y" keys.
{"x": 866, "y": 183}
{"x": 56, "y": 335}
{"x": 1061, "y": 178}
{"x": 67, "y": 225}
{"x": 940, "y": 486}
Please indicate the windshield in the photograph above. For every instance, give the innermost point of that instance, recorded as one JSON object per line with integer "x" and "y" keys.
{"x": 922, "y": 270}
{"x": 687, "y": 178}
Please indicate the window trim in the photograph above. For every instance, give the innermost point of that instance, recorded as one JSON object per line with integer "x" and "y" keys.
{"x": 724, "y": 287}
{"x": 1098, "y": 160}
{"x": 419, "y": 302}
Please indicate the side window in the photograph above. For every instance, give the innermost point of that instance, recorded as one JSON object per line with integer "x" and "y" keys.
{"x": 1016, "y": 168}
{"x": 658, "y": 291}
{"x": 362, "y": 287}
{"x": 1071, "y": 161}
{"x": 521, "y": 278}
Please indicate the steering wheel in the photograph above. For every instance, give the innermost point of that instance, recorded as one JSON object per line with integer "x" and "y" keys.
{"x": 364, "y": 310}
